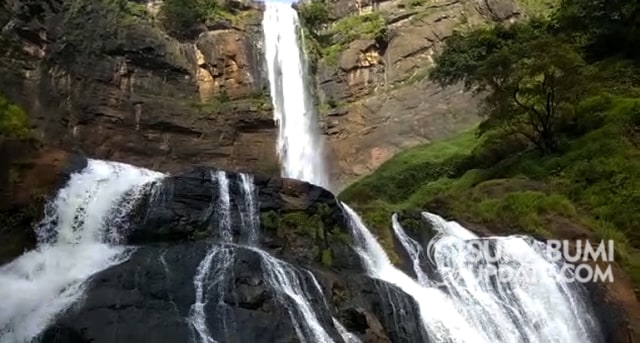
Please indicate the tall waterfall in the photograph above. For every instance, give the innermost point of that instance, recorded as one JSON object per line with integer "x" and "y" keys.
{"x": 475, "y": 309}
{"x": 300, "y": 145}
{"x": 75, "y": 241}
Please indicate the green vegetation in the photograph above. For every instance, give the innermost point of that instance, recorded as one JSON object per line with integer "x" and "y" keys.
{"x": 300, "y": 228}
{"x": 539, "y": 8}
{"x": 559, "y": 149}
{"x": 222, "y": 102}
{"x": 326, "y": 41}
{"x": 182, "y": 18}
{"x": 314, "y": 14}
{"x": 14, "y": 122}
{"x": 348, "y": 29}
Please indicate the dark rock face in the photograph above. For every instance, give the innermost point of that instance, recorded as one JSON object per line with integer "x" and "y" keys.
{"x": 148, "y": 298}
{"x": 303, "y": 235}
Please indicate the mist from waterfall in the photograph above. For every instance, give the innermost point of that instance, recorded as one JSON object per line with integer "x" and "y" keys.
{"x": 300, "y": 145}
{"x": 76, "y": 239}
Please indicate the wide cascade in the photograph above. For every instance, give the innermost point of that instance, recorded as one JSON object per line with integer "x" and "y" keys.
{"x": 77, "y": 238}
{"x": 128, "y": 254}
{"x": 300, "y": 145}
{"x": 470, "y": 306}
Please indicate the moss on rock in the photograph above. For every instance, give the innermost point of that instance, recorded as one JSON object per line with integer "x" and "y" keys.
{"x": 312, "y": 232}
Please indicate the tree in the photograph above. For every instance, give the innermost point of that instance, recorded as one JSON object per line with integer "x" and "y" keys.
{"x": 314, "y": 14}
{"x": 181, "y": 17}
{"x": 602, "y": 27}
{"x": 534, "y": 81}
{"x": 535, "y": 90}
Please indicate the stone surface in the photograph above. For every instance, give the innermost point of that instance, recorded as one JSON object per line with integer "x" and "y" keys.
{"x": 386, "y": 102}
{"x": 122, "y": 89}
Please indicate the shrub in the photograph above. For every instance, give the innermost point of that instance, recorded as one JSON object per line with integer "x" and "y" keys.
{"x": 13, "y": 120}
{"x": 181, "y": 18}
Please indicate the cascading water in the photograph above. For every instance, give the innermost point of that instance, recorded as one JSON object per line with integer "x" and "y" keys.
{"x": 444, "y": 325}
{"x": 300, "y": 146}
{"x": 214, "y": 269}
{"x": 202, "y": 280}
{"x": 475, "y": 309}
{"x": 287, "y": 283}
{"x": 74, "y": 243}
{"x": 249, "y": 212}
{"x": 547, "y": 310}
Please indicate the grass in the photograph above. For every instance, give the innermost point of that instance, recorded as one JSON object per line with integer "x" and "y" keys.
{"x": 398, "y": 178}
{"x": 594, "y": 183}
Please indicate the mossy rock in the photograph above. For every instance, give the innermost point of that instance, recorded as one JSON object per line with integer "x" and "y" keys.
{"x": 312, "y": 233}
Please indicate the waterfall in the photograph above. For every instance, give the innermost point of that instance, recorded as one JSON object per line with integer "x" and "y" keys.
{"x": 477, "y": 309}
{"x": 249, "y": 210}
{"x": 444, "y": 325}
{"x": 74, "y": 242}
{"x": 213, "y": 272}
{"x": 548, "y": 310}
{"x": 300, "y": 145}
{"x": 223, "y": 260}
{"x": 287, "y": 282}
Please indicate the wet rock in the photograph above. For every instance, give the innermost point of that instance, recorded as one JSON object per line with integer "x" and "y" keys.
{"x": 29, "y": 175}
{"x": 149, "y": 298}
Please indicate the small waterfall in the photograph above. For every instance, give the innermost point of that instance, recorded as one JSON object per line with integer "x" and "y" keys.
{"x": 249, "y": 212}
{"x": 444, "y": 325}
{"x": 548, "y": 310}
{"x": 214, "y": 270}
{"x": 223, "y": 259}
{"x": 300, "y": 144}
{"x": 289, "y": 286}
{"x": 74, "y": 243}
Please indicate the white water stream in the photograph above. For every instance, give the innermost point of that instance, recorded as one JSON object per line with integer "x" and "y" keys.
{"x": 75, "y": 242}
{"x": 300, "y": 145}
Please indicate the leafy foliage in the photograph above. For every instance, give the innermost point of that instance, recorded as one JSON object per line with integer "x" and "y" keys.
{"x": 182, "y": 18}
{"x": 602, "y": 27}
{"x": 535, "y": 81}
{"x": 13, "y": 120}
{"x": 549, "y": 83}
{"x": 314, "y": 14}
{"x": 328, "y": 43}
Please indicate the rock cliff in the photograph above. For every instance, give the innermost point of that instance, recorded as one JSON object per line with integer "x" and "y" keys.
{"x": 376, "y": 95}
{"x": 102, "y": 78}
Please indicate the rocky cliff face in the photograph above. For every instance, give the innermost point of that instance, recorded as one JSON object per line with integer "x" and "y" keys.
{"x": 105, "y": 80}
{"x": 381, "y": 98}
